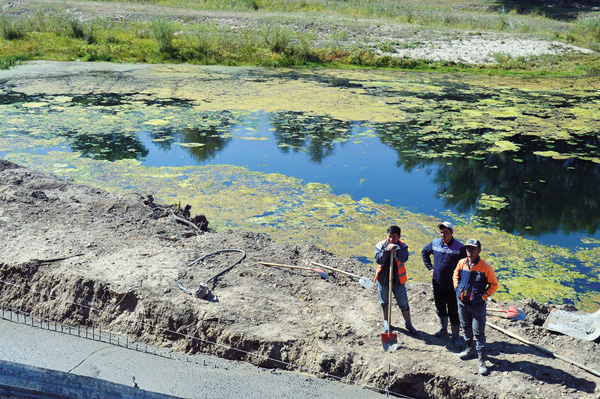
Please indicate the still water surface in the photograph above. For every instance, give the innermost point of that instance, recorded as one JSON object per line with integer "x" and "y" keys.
{"x": 546, "y": 188}
{"x": 538, "y": 191}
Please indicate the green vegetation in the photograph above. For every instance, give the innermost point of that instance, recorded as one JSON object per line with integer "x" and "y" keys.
{"x": 7, "y": 62}
{"x": 489, "y": 126}
{"x": 292, "y": 33}
{"x": 163, "y": 31}
{"x": 296, "y": 212}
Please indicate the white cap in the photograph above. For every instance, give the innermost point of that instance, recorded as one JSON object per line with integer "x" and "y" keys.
{"x": 445, "y": 224}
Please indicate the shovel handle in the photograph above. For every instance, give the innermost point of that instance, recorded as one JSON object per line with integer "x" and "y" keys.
{"x": 391, "y": 279}
{"x": 280, "y": 265}
{"x": 556, "y": 355}
{"x": 334, "y": 269}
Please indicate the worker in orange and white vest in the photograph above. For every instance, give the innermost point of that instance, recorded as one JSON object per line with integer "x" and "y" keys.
{"x": 474, "y": 281}
{"x": 393, "y": 246}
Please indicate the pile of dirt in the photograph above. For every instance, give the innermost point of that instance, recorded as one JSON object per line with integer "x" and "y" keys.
{"x": 66, "y": 245}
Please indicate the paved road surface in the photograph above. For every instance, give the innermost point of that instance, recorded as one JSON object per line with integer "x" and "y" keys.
{"x": 204, "y": 377}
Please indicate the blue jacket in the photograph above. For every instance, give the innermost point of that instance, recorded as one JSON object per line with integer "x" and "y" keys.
{"x": 382, "y": 256}
{"x": 445, "y": 259}
{"x": 474, "y": 283}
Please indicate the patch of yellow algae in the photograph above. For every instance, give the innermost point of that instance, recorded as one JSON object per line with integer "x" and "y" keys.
{"x": 552, "y": 154}
{"x": 156, "y": 122}
{"x": 542, "y": 290}
{"x": 252, "y": 138}
{"x": 291, "y": 211}
{"x": 504, "y": 145}
{"x": 504, "y": 112}
{"x": 190, "y": 145}
{"x": 15, "y": 143}
{"x": 309, "y": 97}
{"x": 35, "y": 104}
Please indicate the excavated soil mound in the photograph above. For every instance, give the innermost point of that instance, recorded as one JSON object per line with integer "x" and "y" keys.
{"x": 80, "y": 255}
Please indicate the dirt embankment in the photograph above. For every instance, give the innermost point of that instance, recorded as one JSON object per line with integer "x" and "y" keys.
{"x": 121, "y": 256}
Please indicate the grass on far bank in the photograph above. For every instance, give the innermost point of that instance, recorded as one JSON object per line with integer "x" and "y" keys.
{"x": 572, "y": 22}
{"x": 63, "y": 36}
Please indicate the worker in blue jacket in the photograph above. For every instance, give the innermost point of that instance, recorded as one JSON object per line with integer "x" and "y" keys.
{"x": 446, "y": 251}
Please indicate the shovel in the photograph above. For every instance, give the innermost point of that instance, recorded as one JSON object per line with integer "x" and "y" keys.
{"x": 389, "y": 340}
{"x": 364, "y": 281}
{"x": 511, "y": 313}
{"x": 319, "y": 271}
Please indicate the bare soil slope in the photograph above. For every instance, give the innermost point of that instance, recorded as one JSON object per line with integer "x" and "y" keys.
{"x": 66, "y": 245}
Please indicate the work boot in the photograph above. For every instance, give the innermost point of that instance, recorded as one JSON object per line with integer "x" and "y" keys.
{"x": 384, "y": 310}
{"x": 468, "y": 353}
{"x": 443, "y": 327}
{"x": 407, "y": 323}
{"x": 456, "y": 341}
{"x": 483, "y": 370}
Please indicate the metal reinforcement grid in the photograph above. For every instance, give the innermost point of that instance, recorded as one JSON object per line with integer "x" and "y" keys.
{"x": 95, "y": 334}
{"x": 98, "y": 334}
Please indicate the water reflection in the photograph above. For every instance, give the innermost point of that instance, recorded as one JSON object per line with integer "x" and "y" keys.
{"x": 111, "y": 146}
{"x": 316, "y": 135}
{"x": 534, "y": 186}
{"x": 203, "y": 143}
{"x": 541, "y": 194}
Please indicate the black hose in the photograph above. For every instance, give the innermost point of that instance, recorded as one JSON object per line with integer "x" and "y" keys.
{"x": 218, "y": 252}
{"x": 216, "y": 275}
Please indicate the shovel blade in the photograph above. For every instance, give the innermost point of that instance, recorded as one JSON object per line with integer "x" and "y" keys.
{"x": 389, "y": 342}
{"x": 515, "y": 314}
{"x": 365, "y": 282}
{"x": 321, "y": 273}
{"x": 512, "y": 313}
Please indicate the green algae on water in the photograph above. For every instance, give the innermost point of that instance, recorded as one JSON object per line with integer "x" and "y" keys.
{"x": 510, "y": 127}
{"x": 291, "y": 211}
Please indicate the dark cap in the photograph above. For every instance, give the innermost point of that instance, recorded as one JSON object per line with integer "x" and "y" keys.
{"x": 446, "y": 224}
{"x": 473, "y": 243}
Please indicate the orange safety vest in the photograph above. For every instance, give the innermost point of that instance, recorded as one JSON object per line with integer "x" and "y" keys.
{"x": 402, "y": 277}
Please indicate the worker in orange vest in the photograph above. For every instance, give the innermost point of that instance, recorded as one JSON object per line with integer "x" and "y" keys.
{"x": 393, "y": 246}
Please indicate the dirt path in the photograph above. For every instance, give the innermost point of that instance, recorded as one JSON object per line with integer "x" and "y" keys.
{"x": 124, "y": 255}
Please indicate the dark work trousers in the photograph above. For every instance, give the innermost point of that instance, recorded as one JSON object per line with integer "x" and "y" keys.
{"x": 472, "y": 321}
{"x": 445, "y": 302}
